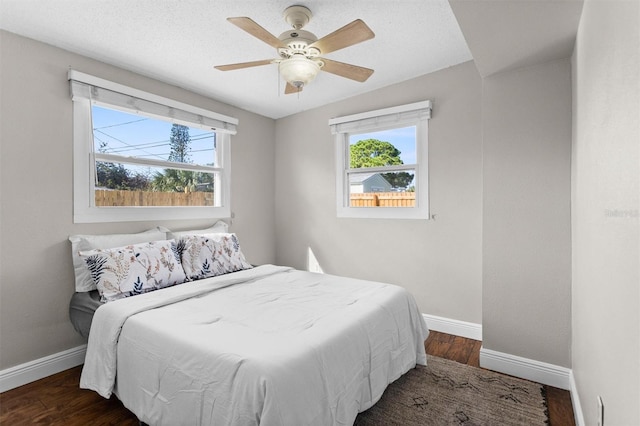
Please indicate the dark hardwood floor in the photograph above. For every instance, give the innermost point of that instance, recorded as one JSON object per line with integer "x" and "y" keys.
{"x": 57, "y": 400}
{"x": 467, "y": 351}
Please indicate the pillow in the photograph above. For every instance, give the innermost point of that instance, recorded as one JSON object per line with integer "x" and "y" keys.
{"x": 210, "y": 255}
{"x": 218, "y": 227}
{"x": 134, "y": 269}
{"x": 89, "y": 242}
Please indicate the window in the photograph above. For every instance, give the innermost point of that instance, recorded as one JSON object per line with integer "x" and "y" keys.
{"x": 382, "y": 163}
{"x": 139, "y": 156}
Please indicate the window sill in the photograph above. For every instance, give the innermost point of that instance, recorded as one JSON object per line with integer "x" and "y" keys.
{"x": 383, "y": 213}
{"x": 135, "y": 214}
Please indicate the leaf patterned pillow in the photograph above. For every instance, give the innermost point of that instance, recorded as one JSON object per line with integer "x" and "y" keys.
{"x": 210, "y": 255}
{"x": 134, "y": 269}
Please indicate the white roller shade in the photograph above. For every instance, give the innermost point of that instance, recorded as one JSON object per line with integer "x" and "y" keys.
{"x": 104, "y": 92}
{"x": 388, "y": 117}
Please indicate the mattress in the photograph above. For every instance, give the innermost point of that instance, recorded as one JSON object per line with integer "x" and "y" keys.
{"x": 266, "y": 346}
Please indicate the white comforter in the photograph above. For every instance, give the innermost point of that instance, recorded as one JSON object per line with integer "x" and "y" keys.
{"x": 268, "y": 346}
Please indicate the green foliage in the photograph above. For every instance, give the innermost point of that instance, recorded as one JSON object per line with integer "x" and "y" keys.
{"x": 180, "y": 141}
{"x": 377, "y": 153}
{"x": 116, "y": 176}
{"x": 373, "y": 153}
{"x": 398, "y": 179}
{"x": 172, "y": 180}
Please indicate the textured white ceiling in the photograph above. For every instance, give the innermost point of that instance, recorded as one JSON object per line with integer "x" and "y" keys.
{"x": 179, "y": 42}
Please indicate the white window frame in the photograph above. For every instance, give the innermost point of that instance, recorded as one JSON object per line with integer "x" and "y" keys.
{"x": 154, "y": 106}
{"x": 415, "y": 114}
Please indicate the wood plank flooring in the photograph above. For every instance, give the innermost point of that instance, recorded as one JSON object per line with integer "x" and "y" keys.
{"x": 57, "y": 400}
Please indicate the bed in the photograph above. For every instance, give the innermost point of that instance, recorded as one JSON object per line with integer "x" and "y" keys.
{"x": 268, "y": 345}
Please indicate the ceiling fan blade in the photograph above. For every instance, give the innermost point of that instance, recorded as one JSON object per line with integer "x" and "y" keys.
{"x": 290, "y": 88}
{"x": 250, "y": 26}
{"x": 231, "y": 67}
{"x": 353, "y": 72}
{"x": 353, "y": 33}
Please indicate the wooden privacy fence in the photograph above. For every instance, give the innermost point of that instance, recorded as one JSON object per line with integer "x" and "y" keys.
{"x": 383, "y": 199}
{"x": 114, "y": 198}
{"x": 110, "y": 198}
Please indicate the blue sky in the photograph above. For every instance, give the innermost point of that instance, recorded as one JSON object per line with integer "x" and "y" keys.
{"x": 137, "y": 136}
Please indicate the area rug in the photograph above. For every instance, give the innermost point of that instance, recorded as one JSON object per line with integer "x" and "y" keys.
{"x": 449, "y": 393}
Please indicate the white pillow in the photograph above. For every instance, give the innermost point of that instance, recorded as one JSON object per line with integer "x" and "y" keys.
{"x": 84, "y": 282}
{"x": 134, "y": 269}
{"x": 210, "y": 255}
{"x": 218, "y": 227}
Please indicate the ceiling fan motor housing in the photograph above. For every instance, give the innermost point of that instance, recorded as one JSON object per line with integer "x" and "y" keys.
{"x": 297, "y": 42}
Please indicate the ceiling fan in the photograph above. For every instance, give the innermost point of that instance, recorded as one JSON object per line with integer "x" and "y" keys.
{"x": 299, "y": 51}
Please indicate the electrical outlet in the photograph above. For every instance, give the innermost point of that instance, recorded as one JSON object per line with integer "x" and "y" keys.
{"x": 600, "y": 411}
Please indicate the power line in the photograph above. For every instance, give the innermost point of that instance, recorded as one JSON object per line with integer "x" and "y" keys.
{"x": 156, "y": 144}
{"x": 120, "y": 124}
{"x": 167, "y": 153}
{"x": 124, "y": 143}
{"x": 163, "y": 143}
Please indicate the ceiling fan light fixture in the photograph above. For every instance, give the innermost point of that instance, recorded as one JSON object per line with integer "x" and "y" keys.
{"x": 299, "y": 70}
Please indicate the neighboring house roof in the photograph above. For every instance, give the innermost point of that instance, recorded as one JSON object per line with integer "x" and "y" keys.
{"x": 363, "y": 177}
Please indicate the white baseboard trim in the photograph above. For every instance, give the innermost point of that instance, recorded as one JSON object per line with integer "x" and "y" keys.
{"x": 28, "y": 372}
{"x": 537, "y": 371}
{"x": 575, "y": 400}
{"x": 456, "y": 327}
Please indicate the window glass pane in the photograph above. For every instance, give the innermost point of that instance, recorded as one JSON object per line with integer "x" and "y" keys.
{"x": 383, "y": 148}
{"x": 131, "y": 135}
{"x": 132, "y": 185}
{"x": 378, "y": 190}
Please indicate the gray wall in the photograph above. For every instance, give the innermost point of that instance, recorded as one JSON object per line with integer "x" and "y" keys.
{"x": 526, "y": 286}
{"x": 499, "y": 251}
{"x": 440, "y": 260}
{"x": 36, "y": 277}
{"x": 606, "y": 192}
